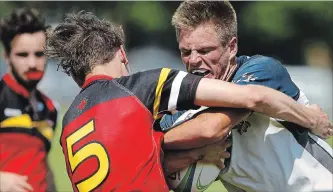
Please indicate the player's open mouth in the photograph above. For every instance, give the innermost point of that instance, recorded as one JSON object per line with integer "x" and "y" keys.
{"x": 200, "y": 72}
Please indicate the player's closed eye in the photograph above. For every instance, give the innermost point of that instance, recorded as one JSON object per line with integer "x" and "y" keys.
{"x": 22, "y": 54}
{"x": 185, "y": 53}
{"x": 204, "y": 51}
{"x": 39, "y": 54}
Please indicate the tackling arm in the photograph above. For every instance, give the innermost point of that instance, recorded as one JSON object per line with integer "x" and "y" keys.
{"x": 257, "y": 98}
{"x": 259, "y": 95}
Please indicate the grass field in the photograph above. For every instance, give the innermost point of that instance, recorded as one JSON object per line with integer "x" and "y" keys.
{"x": 62, "y": 182}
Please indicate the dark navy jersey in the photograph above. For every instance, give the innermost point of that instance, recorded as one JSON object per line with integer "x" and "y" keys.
{"x": 266, "y": 71}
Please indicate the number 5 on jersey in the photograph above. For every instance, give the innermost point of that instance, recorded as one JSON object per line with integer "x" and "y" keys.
{"x": 93, "y": 148}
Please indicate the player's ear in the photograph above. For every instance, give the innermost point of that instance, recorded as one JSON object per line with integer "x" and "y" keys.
{"x": 123, "y": 56}
{"x": 233, "y": 47}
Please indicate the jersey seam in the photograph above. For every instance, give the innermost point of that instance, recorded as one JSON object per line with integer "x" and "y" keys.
{"x": 132, "y": 94}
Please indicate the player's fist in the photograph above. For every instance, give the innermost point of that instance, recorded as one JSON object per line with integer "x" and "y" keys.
{"x": 216, "y": 153}
{"x": 10, "y": 182}
{"x": 323, "y": 128}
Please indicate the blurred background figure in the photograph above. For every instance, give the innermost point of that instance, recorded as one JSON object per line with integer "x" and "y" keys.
{"x": 27, "y": 117}
{"x": 299, "y": 34}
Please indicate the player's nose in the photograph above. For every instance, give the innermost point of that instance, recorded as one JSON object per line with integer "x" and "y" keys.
{"x": 32, "y": 62}
{"x": 195, "y": 59}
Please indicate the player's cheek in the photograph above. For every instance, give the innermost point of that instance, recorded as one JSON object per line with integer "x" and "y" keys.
{"x": 185, "y": 61}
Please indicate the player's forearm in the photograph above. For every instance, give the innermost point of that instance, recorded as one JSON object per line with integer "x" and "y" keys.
{"x": 206, "y": 128}
{"x": 278, "y": 105}
{"x": 254, "y": 97}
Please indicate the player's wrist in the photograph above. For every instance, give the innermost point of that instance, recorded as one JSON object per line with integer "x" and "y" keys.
{"x": 313, "y": 119}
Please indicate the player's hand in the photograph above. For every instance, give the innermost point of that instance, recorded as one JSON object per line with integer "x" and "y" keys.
{"x": 216, "y": 153}
{"x": 323, "y": 127}
{"x": 10, "y": 182}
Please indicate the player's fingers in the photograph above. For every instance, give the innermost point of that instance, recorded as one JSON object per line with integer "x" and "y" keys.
{"x": 325, "y": 136}
{"x": 18, "y": 188}
{"x": 23, "y": 183}
{"x": 226, "y": 144}
{"x": 224, "y": 155}
{"x": 27, "y": 186}
{"x": 330, "y": 126}
{"x": 329, "y": 132}
{"x": 219, "y": 164}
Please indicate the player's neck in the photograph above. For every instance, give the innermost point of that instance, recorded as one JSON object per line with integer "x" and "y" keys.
{"x": 229, "y": 71}
{"x": 109, "y": 69}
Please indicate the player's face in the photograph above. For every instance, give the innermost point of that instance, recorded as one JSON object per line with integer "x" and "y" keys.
{"x": 202, "y": 52}
{"x": 26, "y": 60}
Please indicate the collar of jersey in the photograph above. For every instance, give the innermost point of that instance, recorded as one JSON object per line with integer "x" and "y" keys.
{"x": 95, "y": 78}
{"x": 15, "y": 86}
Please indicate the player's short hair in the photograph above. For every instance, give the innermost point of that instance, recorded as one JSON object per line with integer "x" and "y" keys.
{"x": 82, "y": 41}
{"x": 21, "y": 20}
{"x": 191, "y": 14}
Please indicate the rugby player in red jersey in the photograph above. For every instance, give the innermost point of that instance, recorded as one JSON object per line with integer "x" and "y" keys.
{"x": 27, "y": 117}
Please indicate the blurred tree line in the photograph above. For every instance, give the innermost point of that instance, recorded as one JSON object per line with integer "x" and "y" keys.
{"x": 295, "y": 32}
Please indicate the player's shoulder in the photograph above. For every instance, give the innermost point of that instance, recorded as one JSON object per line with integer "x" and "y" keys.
{"x": 145, "y": 75}
{"x": 258, "y": 61}
{"x": 263, "y": 66}
{"x": 266, "y": 71}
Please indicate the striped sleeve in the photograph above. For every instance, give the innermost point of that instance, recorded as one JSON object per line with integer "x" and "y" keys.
{"x": 162, "y": 90}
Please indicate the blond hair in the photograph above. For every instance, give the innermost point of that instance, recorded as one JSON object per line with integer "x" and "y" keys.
{"x": 191, "y": 14}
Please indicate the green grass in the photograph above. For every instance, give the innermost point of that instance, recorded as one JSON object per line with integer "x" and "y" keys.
{"x": 63, "y": 184}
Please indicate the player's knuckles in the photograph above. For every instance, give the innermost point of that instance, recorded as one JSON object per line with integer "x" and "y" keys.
{"x": 225, "y": 155}
{"x": 315, "y": 106}
{"x": 219, "y": 164}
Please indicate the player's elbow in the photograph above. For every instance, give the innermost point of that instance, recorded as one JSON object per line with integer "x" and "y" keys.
{"x": 256, "y": 98}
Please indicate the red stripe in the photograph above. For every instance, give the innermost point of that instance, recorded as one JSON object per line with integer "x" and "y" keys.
{"x": 15, "y": 86}
{"x": 48, "y": 102}
{"x": 94, "y": 78}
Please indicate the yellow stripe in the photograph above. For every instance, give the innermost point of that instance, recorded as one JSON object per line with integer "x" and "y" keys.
{"x": 47, "y": 132}
{"x": 163, "y": 76}
{"x": 24, "y": 121}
